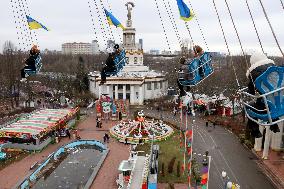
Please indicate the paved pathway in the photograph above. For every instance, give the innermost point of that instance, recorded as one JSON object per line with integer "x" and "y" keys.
{"x": 138, "y": 172}
{"x": 227, "y": 154}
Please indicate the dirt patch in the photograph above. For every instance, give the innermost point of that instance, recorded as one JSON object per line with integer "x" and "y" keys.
{"x": 12, "y": 157}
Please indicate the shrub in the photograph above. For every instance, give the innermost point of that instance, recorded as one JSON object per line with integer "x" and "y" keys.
{"x": 242, "y": 138}
{"x": 171, "y": 165}
{"x": 171, "y": 186}
{"x": 163, "y": 169}
{"x": 249, "y": 144}
{"x": 178, "y": 169}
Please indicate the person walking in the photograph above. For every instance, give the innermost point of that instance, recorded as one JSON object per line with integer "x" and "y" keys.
{"x": 104, "y": 138}
{"x": 206, "y": 124}
{"x": 175, "y": 110}
{"x": 214, "y": 124}
{"x": 107, "y": 138}
{"x": 98, "y": 122}
{"x": 68, "y": 133}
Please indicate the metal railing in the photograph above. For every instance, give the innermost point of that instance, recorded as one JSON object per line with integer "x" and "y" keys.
{"x": 253, "y": 98}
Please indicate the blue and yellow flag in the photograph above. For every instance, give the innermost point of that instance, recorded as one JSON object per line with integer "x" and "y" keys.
{"x": 112, "y": 20}
{"x": 33, "y": 24}
{"x": 185, "y": 13}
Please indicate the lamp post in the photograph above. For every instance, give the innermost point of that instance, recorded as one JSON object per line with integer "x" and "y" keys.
{"x": 227, "y": 183}
{"x": 225, "y": 179}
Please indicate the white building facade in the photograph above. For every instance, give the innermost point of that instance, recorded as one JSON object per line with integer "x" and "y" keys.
{"x": 80, "y": 48}
{"x": 135, "y": 82}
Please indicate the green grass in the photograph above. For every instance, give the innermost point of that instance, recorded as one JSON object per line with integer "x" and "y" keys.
{"x": 168, "y": 149}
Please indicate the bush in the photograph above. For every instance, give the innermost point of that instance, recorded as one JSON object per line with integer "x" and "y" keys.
{"x": 178, "y": 169}
{"x": 171, "y": 186}
{"x": 242, "y": 138}
{"x": 163, "y": 169}
{"x": 78, "y": 116}
{"x": 249, "y": 144}
{"x": 171, "y": 165}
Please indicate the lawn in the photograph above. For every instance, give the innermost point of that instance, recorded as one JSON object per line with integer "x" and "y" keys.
{"x": 168, "y": 150}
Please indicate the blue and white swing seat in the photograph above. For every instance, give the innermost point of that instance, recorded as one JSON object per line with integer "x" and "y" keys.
{"x": 38, "y": 66}
{"x": 119, "y": 62}
{"x": 194, "y": 77}
{"x": 271, "y": 85}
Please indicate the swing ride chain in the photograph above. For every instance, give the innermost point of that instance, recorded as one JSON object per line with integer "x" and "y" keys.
{"x": 22, "y": 23}
{"x": 100, "y": 21}
{"x": 26, "y": 27}
{"x": 120, "y": 38}
{"x": 93, "y": 22}
{"x": 106, "y": 21}
{"x": 167, "y": 40}
{"x": 18, "y": 20}
{"x": 187, "y": 27}
{"x": 226, "y": 42}
{"x": 15, "y": 20}
{"x": 35, "y": 35}
{"x": 201, "y": 31}
{"x": 282, "y": 4}
{"x": 254, "y": 26}
{"x": 237, "y": 33}
{"x": 274, "y": 35}
{"x": 170, "y": 14}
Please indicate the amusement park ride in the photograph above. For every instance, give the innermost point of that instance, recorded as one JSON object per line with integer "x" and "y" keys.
{"x": 268, "y": 86}
{"x": 141, "y": 130}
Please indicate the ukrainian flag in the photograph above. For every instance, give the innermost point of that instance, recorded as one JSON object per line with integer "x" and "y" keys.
{"x": 33, "y": 24}
{"x": 185, "y": 13}
{"x": 112, "y": 20}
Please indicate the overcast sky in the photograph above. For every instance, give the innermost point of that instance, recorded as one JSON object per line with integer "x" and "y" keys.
{"x": 70, "y": 21}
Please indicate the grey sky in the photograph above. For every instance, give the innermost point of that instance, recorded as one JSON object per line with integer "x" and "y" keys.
{"x": 69, "y": 21}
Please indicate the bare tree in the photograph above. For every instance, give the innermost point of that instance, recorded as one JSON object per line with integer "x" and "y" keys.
{"x": 10, "y": 74}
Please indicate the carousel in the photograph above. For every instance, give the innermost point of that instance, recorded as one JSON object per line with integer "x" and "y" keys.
{"x": 141, "y": 130}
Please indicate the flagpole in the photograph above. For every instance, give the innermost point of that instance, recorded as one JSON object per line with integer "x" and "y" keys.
{"x": 185, "y": 141}
{"x": 209, "y": 163}
{"x": 191, "y": 152}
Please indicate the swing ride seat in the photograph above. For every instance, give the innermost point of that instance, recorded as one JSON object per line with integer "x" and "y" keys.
{"x": 271, "y": 85}
{"x": 119, "y": 62}
{"x": 198, "y": 70}
{"x": 38, "y": 65}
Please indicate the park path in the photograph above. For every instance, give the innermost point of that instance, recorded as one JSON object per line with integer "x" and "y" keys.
{"x": 106, "y": 176}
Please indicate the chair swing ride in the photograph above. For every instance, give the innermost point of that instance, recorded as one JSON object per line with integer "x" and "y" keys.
{"x": 21, "y": 12}
{"x": 269, "y": 85}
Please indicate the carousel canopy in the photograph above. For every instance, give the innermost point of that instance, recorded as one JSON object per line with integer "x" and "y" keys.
{"x": 37, "y": 122}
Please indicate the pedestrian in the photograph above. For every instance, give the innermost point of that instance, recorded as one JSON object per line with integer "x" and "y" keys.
{"x": 175, "y": 110}
{"x": 68, "y": 133}
{"x": 206, "y": 124}
{"x": 104, "y": 138}
{"x": 126, "y": 140}
{"x": 98, "y": 122}
{"x": 107, "y": 138}
{"x": 214, "y": 124}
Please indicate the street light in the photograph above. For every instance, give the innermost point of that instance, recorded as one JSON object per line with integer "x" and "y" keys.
{"x": 227, "y": 183}
{"x": 225, "y": 179}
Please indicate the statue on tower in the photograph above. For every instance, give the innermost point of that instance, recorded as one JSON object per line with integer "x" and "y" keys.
{"x": 129, "y": 6}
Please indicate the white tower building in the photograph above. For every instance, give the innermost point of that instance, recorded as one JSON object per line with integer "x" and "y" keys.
{"x": 135, "y": 82}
